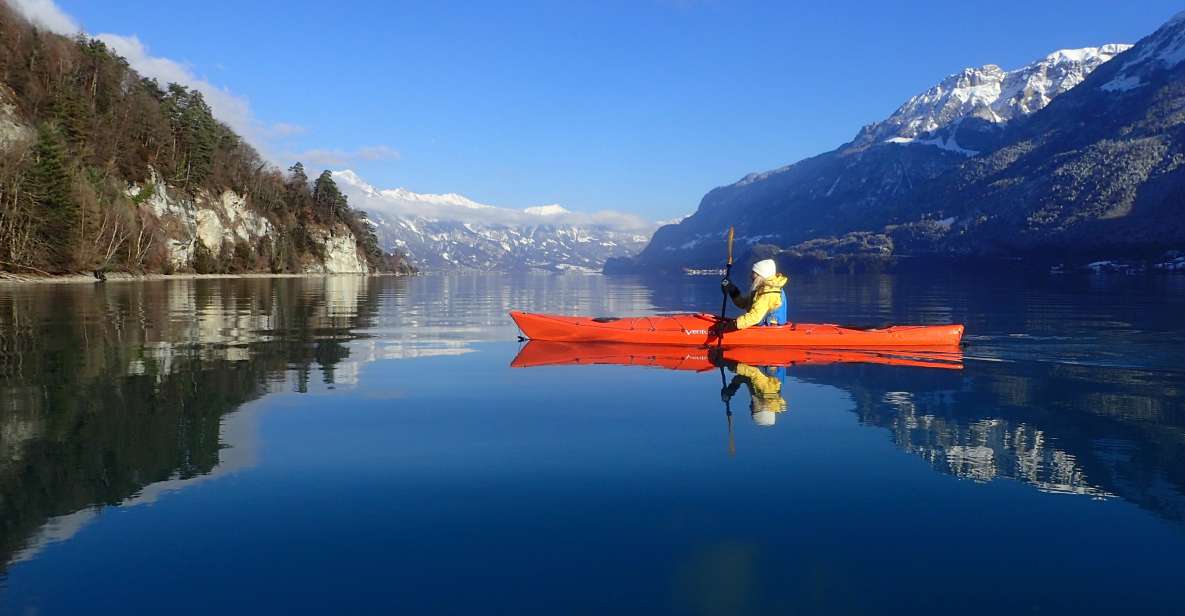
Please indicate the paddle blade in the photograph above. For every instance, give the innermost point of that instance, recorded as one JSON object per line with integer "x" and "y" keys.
{"x": 730, "y": 236}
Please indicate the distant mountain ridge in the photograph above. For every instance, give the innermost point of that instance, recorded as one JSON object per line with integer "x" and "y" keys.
{"x": 453, "y": 232}
{"x": 987, "y": 94}
{"x": 973, "y": 166}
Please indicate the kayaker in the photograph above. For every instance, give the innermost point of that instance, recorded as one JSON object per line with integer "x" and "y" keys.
{"x": 766, "y": 302}
{"x": 765, "y": 391}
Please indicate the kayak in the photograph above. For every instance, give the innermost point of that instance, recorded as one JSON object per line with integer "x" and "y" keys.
{"x": 697, "y": 330}
{"x": 538, "y": 353}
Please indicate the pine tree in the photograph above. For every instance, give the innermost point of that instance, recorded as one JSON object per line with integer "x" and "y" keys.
{"x": 50, "y": 185}
{"x": 297, "y": 177}
{"x": 328, "y": 199}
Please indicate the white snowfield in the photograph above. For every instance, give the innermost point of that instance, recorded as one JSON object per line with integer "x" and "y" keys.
{"x": 989, "y": 93}
{"x": 451, "y": 231}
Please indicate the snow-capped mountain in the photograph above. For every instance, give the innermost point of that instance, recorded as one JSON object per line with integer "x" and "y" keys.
{"x": 874, "y": 179}
{"x": 989, "y": 95}
{"x": 1162, "y": 50}
{"x": 451, "y": 231}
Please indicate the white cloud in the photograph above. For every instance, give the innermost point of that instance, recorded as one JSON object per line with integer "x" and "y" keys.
{"x": 402, "y": 202}
{"x": 232, "y": 109}
{"x": 377, "y": 152}
{"x": 337, "y": 157}
{"x": 284, "y": 129}
{"x": 46, "y": 14}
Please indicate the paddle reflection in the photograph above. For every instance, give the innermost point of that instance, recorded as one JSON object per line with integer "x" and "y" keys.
{"x": 760, "y": 370}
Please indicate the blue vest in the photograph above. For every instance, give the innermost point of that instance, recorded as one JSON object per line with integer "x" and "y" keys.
{"x": 778, "y": 315}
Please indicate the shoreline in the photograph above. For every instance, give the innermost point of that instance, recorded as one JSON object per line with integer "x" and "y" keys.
{"x": 7, "y": 278}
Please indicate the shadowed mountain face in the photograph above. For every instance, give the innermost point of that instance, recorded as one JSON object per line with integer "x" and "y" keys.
{"x": 984, "y": 164}
{"x": 1098, "y": 170}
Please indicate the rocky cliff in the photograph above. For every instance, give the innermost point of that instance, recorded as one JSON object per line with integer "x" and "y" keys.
{"x": 216, "y": 224}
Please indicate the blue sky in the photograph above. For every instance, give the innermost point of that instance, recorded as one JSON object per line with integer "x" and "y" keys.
{"x": 637, "y": 106}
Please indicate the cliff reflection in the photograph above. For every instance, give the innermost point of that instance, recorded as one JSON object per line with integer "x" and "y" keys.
{"x": 112, "y": 393}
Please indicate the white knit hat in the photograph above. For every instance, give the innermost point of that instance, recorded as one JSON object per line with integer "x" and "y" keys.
{"x": 765, "y": 268}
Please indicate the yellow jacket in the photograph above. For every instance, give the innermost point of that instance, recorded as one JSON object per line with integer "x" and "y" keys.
{"x": 765, "y": 391}
{"x": 760, "y": 302}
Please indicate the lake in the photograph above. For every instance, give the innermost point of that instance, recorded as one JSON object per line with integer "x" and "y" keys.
{"x": 350, "y": 444}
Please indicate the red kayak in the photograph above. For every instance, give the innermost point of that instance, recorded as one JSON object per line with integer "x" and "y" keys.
{"x": 697, "y": 330}
{"x": 543, "y": 353}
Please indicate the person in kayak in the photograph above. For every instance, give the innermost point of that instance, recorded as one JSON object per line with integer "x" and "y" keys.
{"x": 766, "y": 302}
{"x": 765, "y": 391}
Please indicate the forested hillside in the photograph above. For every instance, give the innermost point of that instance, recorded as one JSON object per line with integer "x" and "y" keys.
{"x": 101, "y": 169}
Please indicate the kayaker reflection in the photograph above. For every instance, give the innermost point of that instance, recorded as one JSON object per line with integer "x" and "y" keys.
{"x": 765, "y": 304}
{"x": 764, "y": 385}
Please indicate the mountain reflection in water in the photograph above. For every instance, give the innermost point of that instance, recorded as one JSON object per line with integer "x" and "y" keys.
{"x": 120, "y": 394}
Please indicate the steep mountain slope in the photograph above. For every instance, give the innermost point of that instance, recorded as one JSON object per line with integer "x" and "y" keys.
{"x": 856, "y": 186}
{"x": 1098, "y": 171}
{"x": 450, "y": 231}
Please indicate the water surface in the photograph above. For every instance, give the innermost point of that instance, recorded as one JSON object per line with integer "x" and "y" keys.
{"x": 362, "y": 444}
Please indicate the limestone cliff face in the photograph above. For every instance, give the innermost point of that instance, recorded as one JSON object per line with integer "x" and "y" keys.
{"x": 341, "y": 253}
{"x": 12, "y": 130}
{"x": 226, "y": 219}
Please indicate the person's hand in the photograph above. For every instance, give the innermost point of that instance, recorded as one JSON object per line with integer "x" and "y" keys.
{"x": 726, "y": 286}
{"x": 722, "y": 326}
{"x": 726, "y": 394}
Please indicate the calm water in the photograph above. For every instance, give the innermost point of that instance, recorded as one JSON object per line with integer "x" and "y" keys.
{"x": 363, "y": 445}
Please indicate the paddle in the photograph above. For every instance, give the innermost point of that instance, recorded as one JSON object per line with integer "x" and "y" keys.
{"x": 727, "y": 276}
{"x": 732, "y": 446}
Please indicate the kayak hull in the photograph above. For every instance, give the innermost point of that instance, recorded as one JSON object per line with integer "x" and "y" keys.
{"x": 697, "y": 330}
{"x": 538, "y": 353}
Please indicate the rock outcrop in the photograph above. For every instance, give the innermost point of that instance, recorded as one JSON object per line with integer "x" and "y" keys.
{"x": 220, "y": 222}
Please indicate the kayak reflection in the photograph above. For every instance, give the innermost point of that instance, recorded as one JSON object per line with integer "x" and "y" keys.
{"x": 702, "y": 359}
{"x": 761, "y": 370}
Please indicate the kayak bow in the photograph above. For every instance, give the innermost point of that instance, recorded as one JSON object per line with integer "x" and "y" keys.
{"x": 697, "y": 330}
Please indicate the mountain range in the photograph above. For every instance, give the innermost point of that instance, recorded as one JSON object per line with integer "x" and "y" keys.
{"x": 1077, "y": 153}
{"x": 452, "y": 232}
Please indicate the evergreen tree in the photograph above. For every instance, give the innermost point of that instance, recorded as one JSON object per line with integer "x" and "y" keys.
{"x": 297, "y": 178}
{"x": 328, "y": 199}
{"x": 50, "y": 185}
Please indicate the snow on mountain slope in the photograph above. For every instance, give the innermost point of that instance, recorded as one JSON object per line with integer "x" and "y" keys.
{"x": 450, "y": 231}
{"x": 1163, "y": 49}
{"x": 988, "y": 94}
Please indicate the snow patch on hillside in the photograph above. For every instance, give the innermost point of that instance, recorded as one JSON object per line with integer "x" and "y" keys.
{"x": 1162, "y": 50}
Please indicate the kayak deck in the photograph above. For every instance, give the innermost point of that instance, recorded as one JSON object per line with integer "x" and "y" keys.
{"x": 697, "y": 330}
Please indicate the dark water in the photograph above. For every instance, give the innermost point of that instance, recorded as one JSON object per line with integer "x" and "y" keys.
{"x": 362, "y": 445}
